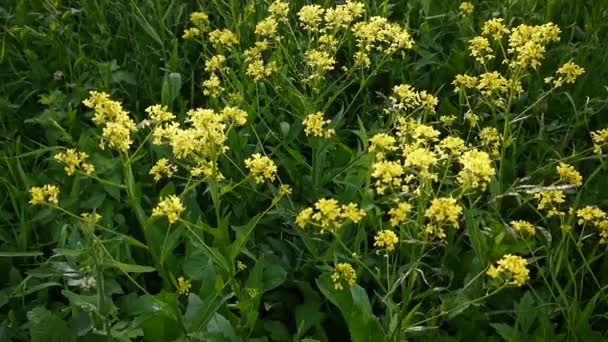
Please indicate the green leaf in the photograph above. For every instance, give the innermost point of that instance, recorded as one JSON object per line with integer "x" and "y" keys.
{"x": 20, "y": 254}
{"x": 200, "y": 312}
{"x": 130, "y": 268}
{"x": 47, "y": 327}
{"x": 505, "y": 331}
{"x": 355, "y": 308}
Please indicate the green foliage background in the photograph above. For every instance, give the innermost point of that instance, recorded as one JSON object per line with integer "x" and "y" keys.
{"x": 53, "y": 52}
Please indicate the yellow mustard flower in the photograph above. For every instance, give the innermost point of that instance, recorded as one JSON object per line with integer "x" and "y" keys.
{"x": 494, "y": 28}
{"x": 549, "y": 200}
{"x": 261, "y": 167}
{"x": 223, "y": 38}
{"x": 236, "y": 115}
{"x": 162, "y": 168}
{"x": 479, "y": 48}
{"x": 343, "y": 273}
{"x": 113, "y": 119}
{"x": 399, "y": 213}
{"x": 465, "y": 9}
{"x": 523, "y": 227}
{"x": 569, "y": 175}
{"x": 170, "y": 206}
{"x": 44, "y": 194}
{"x": 311, "y": 17}
{"x": 159, "y": 113}
{"x": 385, "y": 241}
{"x": 477, "y": 170}
{"x": 514, "y": 266}
{"x": 73, "y": 161}
{"x": 183, "y": 286}
{"x": 388, "y": 174}
{"x": 314, "y": 125}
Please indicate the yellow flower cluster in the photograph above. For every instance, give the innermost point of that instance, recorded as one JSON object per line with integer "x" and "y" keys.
{"x": 569, "y": 175}
{"x": 442, "y": 211}
{"x": 596, "y": 218}
{"x": 319, "y": 62}
{"x": 385, "y": 241}
{"x": 314, "y": 125}
{"x": 494, "y": 28}
{"x": 567, "y": 73}
{"x": 399, "y": 213}
{"x": 223, "y": 38}
{"x": 382, "y": 143}
{"x": 183, "y": 286}
{"x": 44, "y": 194}
{"x": 74, "y": 161}
{"x": 261, "y": 167}
{"x": 257, "y": 69}
{"x": 159, "y": 113}
{"x": 549, "y": 201}
{"x": 162, "y": 168}
{"x": 408, "y": 98}
{"x": 388, "y": 174}
{"x": 200, "y": 20}
{"x": 114, "y": 120}
{"x": 343, "y": 272}
{"x": 329, "y": 215}
{"x": 515, "y": 267}
{"x": 465, "y": 9}
{"x": 477, "y": 170}
{"x": 315, "y": 19}
{"x": 491, "y": 139}
{"x": 600, "y": 139}
{"x": 523, "y": 227}
{"x": 234, "y": 114}
{"x": 479, "y": 48}
{"x": 279, "y": 10}
{"x": 527, "y": 44}
{"x": 170, "y": 206}
{"x": 381, "y": 35}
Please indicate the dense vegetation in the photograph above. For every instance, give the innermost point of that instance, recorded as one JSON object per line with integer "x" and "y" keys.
{"x": 246, "y": 170}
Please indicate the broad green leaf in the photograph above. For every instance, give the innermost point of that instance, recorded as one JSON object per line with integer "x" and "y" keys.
{"x": 355, "y": 308}
{"x": 130, "y": 268}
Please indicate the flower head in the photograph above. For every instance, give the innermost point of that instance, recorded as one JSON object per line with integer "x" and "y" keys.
{"x": 261, "y": 167}
{"x": 74, "y": 160}
{"x": 170, "y": 206}
{"x": 515, "y": 268}
{"x": 314, "y": 125}
{"x": 183, "y": 286}
{"x": 569, "y": 175}
{"x": 44, "y": 194}
{"x": 162, "y": 168}
{"x": 343, "y": 273}
{"x": 385, "y": 240}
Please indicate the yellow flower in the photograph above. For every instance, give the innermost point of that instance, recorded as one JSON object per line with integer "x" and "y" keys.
{"x": 279, "y": 10}
{"x": 261, "y": 167}
{"x": 399, "y": 214}
{"x": 494, "y": 28}
{"x": 343, "y": 272}
{"x": 600, "y": 138}
{"x": 352, "y": 212}
{"x": 549, "y": 200}
{"x": 162, "y": 168}
{"x": 215, "y": 63}
{"x": 328, "y": 215}
{"x": 159, "y": 113}
{"x": 223, "y": 38}
{"x": 320, "y": 62}
{"x": 183, "y": 286}
{"x": 73, "y": 161}
{"x": 479, "y": 47}
{"x": 44, "y": 194}
{"x": 491, "y": 138}
{"x": 463, "y": 82}
{"x": 591, "y": 215}
{"x": 477, "y": 170}
{"x": 523, "y": 227}
{"x": 212, "y": 86}
{"x": 200, "y": 19}
{"x": 343, "y": 15}
{"x": 422, "y": 159}
{"x": 240, "y": 266}
{"x": 191, "y": 33}
{"x": 114, "y": 120}
{"x": 444, "y": 210}
{"x": 515, "y": 266}
{"x": 387, "y": 174}
{"x": 311, "y": 17}
{"x": 267, "y": 27}
{"x": 465, "y": 9}
{"x": 170, "y": 206}
{"x": 285, "y": 190}
{"x": 304, "y": 217}
{"x": 490, "y": 83}
{"x": 381, "y": 143}
{"x": 314, "y": 125}
{"x": 207, "y": 168}
{"x": 451, "y": 146}
{"x": 568, "y": 73}
{"x": 385, "y": 240}
{"x": 237, "y": 115}
{"x": 569, "y": 175}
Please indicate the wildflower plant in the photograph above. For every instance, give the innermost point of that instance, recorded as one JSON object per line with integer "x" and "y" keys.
{"x": 298, "y": 161}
